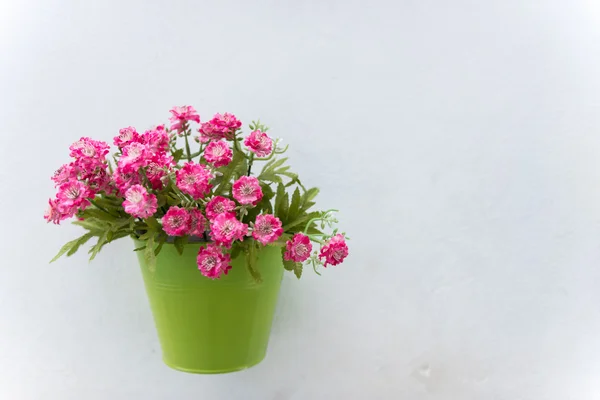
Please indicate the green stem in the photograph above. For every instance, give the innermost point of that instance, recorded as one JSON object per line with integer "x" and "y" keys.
{"x": 322, "y": 217}
{"x": 187, "y": 146}
{"x": 250, "y": 164}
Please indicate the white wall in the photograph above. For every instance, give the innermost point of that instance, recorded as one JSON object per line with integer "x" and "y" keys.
{"x": 460, "y": 140}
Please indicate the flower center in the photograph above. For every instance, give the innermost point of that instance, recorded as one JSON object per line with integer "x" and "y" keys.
{"x": 301, "y": 250}
{"x": 135, "y": 197}
{"x": 176, "y": 221}
{"x": 73, "y": 192}
{"x": 338, "y": 254}
{"x": 265, "y": 229}
{"x": 209, "y": 263}
{"x": 190, "y": 179}
{"x": 247, "y": 190}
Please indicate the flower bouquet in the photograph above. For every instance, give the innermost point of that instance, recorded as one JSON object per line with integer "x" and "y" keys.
{"x": 215, "y": 218}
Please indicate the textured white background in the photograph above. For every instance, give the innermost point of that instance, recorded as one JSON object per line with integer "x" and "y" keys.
{"x": 460, "y": 140}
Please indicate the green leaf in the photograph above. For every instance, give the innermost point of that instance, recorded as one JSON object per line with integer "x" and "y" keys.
{"x": 306, "y": 206}
{"x": 251, "y": 258}
{"x": 93, "y": 225}
{"x": 80, "y": 242}
{"x": 228, "y": 171}
{"x": 72, "y": 244}
{"x": 153, "y": 224}
{"x": 267, "y": 191}
{"x": 271, "y": 178}
{"x": 161, "y": 199}
{"x": 279, "y": 196}
{"x": 139, "y": 248}
{"x": 180, "y": 242}
{"x": 269, "y": 165}
{"x": 309, "y": 195}
{"x": 172, "y": 201}
{"x": 235, "y": 251}
{"x": 98, "y": 246}
{"x": 298, "y": 269}
{"x": 295, "y": 206}
{"x": 98, "y": 214}
{"x": 300, "y": 223}
{"x": 177, "y": 155}
{"x": 282, "y": 213}
{"x": 289, "y": 265}
{"x": 159, "y": 247}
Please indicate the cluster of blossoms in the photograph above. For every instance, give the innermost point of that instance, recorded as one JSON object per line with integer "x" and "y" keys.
{"x": 153, "y": 188}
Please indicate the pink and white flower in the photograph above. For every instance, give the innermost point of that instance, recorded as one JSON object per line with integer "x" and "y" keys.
{"x": 99, "y": 181}
{"x": 126, "y": 136}
{"x": 54, "y": 213}
{"x": 158, "y": 167}
{"x": 220, "y": 127}
{"x": 259, "y": 143}
{"x": 298, "y": 248}
{"x": 156, "y": 139}
{"x": 134, "y": 157}
{"x": 180, "y": 116}
{"x": 176, "y": 221}
{"x": 139, "y": 203}
{"x": 89, "y": 150}
{"x": 212, "y": 262}
{"x": 219, "y": 205}
{"x": 334, "y": 250}
{"x": 197, "y": 222}
{"x": 267, "y": 229}
{"x": 65, "y": 173}
{"x": 73, "y": 194}
{"x": 225, "y": 228}
{"x": 125, "y": 180}
{"x": 246, "y": 190}
{"x": 218, "y": 153}
{"x": 194, "y": 179}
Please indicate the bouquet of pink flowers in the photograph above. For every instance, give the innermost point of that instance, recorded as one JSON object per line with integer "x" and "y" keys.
{"x": 159, "y": 193}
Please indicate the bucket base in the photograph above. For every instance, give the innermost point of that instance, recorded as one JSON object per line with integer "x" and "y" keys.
{"x": 213, "y": 371}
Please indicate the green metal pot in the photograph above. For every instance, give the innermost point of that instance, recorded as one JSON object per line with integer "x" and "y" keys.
{"x": 211, "y": 326}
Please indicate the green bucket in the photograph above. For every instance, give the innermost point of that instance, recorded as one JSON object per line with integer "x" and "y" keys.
{"x": 210, "y": 326}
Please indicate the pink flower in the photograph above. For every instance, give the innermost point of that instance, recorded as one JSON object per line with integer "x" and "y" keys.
{"x": 212, "y": 262}
{"x": 194, "y": 179}
{"x": 134, "y": 157}
{"x": 225, "y": 228}
{"x": 298, "y": 248}
{"x": 246, "y": 190}
{"x": 99, "y": 181}
{"x": 335, "y": 250}
{"x": 220, "y": 127}
{"x": 73, "y": 194}
{"x": 139, "y": 203}
{"x": 259, "y": 143}
{"x": 159, "y": 166}
{"x": 176, "y": 221}
{"x": 197, "y": 222}
{"x": 89, "y": 150}
{"x": 267, "y": 229}
{"x": 126, "y": 136}
{"x": 124, "y": 180}
{"x": 65, "y": 173}
{"x": 218, "y": 153}
{"x": 156, "y": 139}
{"x": 53, "y": 212}
{"x": 181, "y": 116}
{"x": 219, "y": 205}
